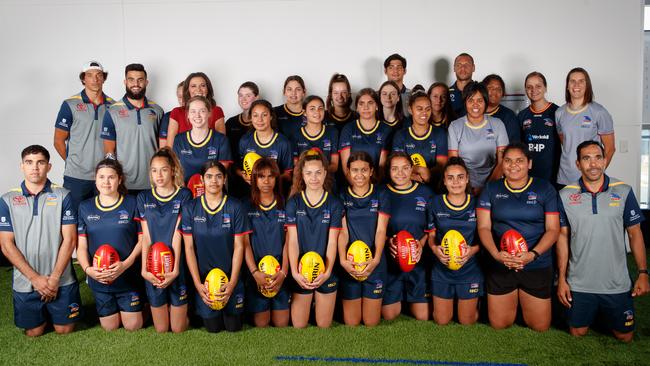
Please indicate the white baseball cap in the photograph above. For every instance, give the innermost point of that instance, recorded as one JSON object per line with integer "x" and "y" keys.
{"x": 92, "y": 65}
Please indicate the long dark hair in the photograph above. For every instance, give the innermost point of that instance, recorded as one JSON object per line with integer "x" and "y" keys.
{"x": 260, "y": 166}
{"x": 338, "y": 78}
{"x": 455, "y": 161}
{"x": 589, "y": 91}
{"x": 399, "y": 110}
{"x": 265, "y": 103}
{"x": 448, "y": 114}
{"x": 177, "y": 169}
{"x": 186, "y": 87}
{"x": 117, "y": 167}
{"x": 298, "y": 184}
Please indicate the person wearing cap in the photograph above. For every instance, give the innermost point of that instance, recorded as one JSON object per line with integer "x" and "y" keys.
{"x": 130, "y": 129}
{"x": 38, "y": 227}
{"x": 77, "y": 132}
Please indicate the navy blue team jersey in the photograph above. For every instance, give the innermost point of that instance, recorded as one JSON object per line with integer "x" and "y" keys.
{"x": 118, "y": 227}
{"x": 327, "y": 142}
{"x": 362, "y": 213}
{"x": 314, "y": 221}
{"x": 374, "y": 141}
{"x": 410, "y": 210}
{"x": 522, "y": 209}
{"x": 539, "y": 134}
{"x": 213, "y": 231}
{"x": 161, "y": 213}
{"x": 278, "y": 149}
{"x": 431, "y": 145}
{"x": 193, "y": 155}
{"x": 268, "y": 226}
{"x": 235, "y": 129}
{"x": 509, "y": 119}
{"x": 447, "y": 216}
{"x": 289, "y": 123}
{"x": 456, "y": 99}
{"x": 338, "y": 122}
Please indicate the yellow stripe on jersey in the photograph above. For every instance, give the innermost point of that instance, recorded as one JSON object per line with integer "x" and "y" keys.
{"x": 216, "y": 210}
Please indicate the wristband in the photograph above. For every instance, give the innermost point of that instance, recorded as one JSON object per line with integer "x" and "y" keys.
{"x": 535, "y": 254}
{"x": 642, "y": 271}
{"x": 255, "y": 270}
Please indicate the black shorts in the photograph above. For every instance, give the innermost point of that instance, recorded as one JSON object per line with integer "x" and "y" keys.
{"x": 535, "y": 282}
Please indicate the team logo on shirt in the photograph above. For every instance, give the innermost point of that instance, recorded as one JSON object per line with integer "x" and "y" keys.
{"x": 472, "y": 216}
{"x": 135, "y": 299}
{"x": 374, "y": 205}
{"x": 380, "y": 138}
{"x": 282, "y": 217}
{"x": 420, "y": 203}
{"x": 92, "y": 218}
{"x": 526, "y": 124}
{"x": 615, "y": 200}
{"x": 327, "y": 144}
{"x": 50, "y": 199}
{"x": 273, "y": 154}
{"x": 239, "y": 301}
{"x": 177, "y": 205}
{"x": 212, "y": 152}
{"x": 19, "y": 201}
{"x": 123, "y": 113}
{"x": 548, "y": 122}
{"x": 226, "y": 221}
{"x": 124, "y": 216}
{"x": 152, "y": 115}
{"x": 379, "y": 287}
{"x": 586, "y": 122}
{"x": 433, "y": 147}
{"x": 575, "y": 199}
{"x": 489, "y": 134}
{"x": 532, "y": 198}
{"x": 326, "y": 217}
{"x": 81, "y": 107}
{"x": 473, "y": 288}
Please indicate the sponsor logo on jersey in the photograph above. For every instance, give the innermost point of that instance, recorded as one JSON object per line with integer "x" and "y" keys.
{"x": 356, "y": 136}
{"x": 3, "y": 221}
{"x": 19, "y": 201}
{"x": 93, "y": 217}
{"x": 501, "y": 196}
{"x": 199, "y": 219}
{"x": 63, "y": 122}
{"x": 539, "y": 137}
{"x": 442, "y": 214}
{"x": 186, "y": 152}
{"x": 254, "y": 214}
{"x": 410, "y": 146}
{"x": 81, "y": 107}
{"x": 302, "y": 144}
{"x": 149, "y": 205}
{"x": 67, "y": 215}
{"x": 123, "y": 113}
{"x": 634, "y": 215}
{"x": 301, "y": 213}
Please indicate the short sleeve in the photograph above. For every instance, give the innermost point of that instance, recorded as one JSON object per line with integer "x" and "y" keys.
{"x": 430, "y": 214}
{"x": 512, "y": 126}
{"x": 5, "y": 217}
{"x": 384, "y": 202}
{"x": 242, "y": 226}
{"x": 441, "y": 143}
{"x": 632, "y": 214}
{"x": 564, "y": 221}
{"x": 398, "y": 141}
{"x": 502, "y": 134}
{"x": 345, "y": 140}
{"x": 225, "y": 154}
{"x": 140, "y": 201}
{"x": 68, "y": 211}
{"x": 164, "y": 126}
{"x": 335, "y": 140}
{"x": 286, "y": 158}
{"x": 551, "y": 201}
{"x": 605, "y": 122}
{"x": 218, "y": 113}
{"x": 108, "y": 127}
{"x": 558, "y": 121}
{"x": 64, "y": 118}
{"x": 186, "y": 219}
{"x": 81, "y": 222}
{"x": 452, "y": 138}
{"x": 290, "y": 211}
{"x": 336, "y": 221}
{"x": 484, "y": 202}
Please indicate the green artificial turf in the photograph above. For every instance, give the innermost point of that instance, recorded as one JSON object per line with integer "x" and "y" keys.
{"x": 402, "y": 339}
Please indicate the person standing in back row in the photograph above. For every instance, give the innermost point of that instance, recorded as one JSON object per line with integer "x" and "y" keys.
{"x": 395, "y": 69}
{"x": 130, "y": 129}
{"x": 77, "y": 132}
{"x": 464, "y": 69}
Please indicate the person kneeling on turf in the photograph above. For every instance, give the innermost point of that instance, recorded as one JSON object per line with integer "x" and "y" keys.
{"x": 38, "y": 225}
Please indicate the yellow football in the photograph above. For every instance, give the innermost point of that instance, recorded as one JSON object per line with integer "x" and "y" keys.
{"x": 249, "y": 160}
{"x": 454, "y": 245}
{"x": 216, "y": 279}
{"x": 270, "y": 266}
{"x": 359, "y": 252}
{"x": 418, "y": 160}
{"x": 311, "y": 266}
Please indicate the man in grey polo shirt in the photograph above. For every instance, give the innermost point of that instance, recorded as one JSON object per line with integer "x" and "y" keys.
{"x": 130, "y": 129}
{"x": 76, "y": 132}
{"x": 592, "y": 266}
{"x": 38, "y": 232}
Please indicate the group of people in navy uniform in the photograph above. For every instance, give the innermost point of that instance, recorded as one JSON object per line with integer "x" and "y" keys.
{"x": 326, "y": 173}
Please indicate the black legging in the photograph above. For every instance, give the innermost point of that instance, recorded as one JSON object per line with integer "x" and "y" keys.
{"x": 223, "y": 321}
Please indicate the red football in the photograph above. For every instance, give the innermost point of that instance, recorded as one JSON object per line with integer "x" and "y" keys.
{"x": 513, "y": 243}
{"x": 407, "y": 248}
{"x": 104, "y": 256}
{"x": 160, "y": 260}
{"x": 195, "y": 185}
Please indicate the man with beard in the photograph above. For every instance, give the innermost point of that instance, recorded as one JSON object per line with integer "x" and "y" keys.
{"x": 76, "y": 132}
{"x": 130, "y": 129}
{"x": 593, "y": 278}
{"x": 464, "y": 69}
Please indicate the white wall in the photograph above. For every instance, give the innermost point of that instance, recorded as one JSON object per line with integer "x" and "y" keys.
{"x": 44, "y": 44}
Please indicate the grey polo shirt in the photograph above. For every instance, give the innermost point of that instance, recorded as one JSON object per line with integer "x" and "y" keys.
{"x": 83, "y": 121}
{"x": 597, "y": 222}
{"x": 135, "y": 132}
{"x": 36, "y": 220}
